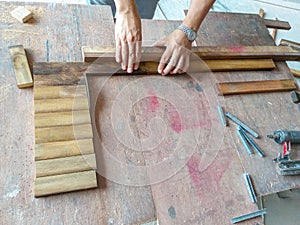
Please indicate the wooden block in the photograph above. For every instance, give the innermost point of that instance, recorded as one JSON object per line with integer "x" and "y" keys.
{"x": 51, "y": 92}
{"x": 294, "y": 45}
{"x": 62, "y": 118}
{"x": 251, "y": 87}
{"x": 277, "y": 24}
{"x": 63, "y": 133}
{"x": 296, "y": 73}
{"x": 261, "y": 13}
{"x": 65, "y": 165}
{"x": 90, "y": 54}
{"x": 44, "y": 186}
{"x": 51, "y": 150}
{"x": 21, "y": 14}
{"x": 21, "y": 66}
{"x": 60, "y": 105}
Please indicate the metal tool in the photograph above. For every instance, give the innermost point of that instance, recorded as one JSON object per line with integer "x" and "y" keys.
{"x": 248, "y": 216}
{"x": 285, "y": 165}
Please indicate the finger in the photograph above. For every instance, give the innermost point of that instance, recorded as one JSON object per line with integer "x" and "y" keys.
{"x": 124, "y": 56}
{"x": 138, "y": 54}
{"x": 131, "y": 57}
{"x": 159, "y": 43}
{"x": 179, "y": 66}
{"x": 171, "y": 65}
{"x": 186, "y": 65}
{"x": 163, "y": 61}
{"x": 118, "y": 51}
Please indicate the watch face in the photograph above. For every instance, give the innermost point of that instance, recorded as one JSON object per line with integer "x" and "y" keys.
{"x": 192, "y": 35}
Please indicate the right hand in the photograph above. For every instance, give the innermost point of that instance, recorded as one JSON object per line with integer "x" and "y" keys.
{"x": 128, "y": 36}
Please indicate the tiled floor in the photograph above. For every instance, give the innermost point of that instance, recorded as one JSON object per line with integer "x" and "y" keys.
{"x": 283, "y": 208}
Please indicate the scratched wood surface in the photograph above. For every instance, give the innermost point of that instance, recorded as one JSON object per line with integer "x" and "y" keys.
{"x": 57, "y": 33}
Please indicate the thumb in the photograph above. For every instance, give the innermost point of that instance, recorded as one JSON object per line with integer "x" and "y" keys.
{"x": 159, "y": 43}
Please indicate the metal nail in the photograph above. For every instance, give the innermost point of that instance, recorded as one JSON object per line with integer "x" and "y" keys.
{"x": 250, "y": 187}
{"x": 243, "y": 140}
{"x": 248, "y": 216}
{"x": 253, "y": 144}
{"x": 222, "y": 116}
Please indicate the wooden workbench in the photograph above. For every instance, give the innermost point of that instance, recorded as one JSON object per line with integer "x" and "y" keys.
{"x": 208, "y": 188}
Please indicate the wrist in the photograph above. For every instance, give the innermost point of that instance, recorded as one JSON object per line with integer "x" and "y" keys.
{"x": 125, "y": 6}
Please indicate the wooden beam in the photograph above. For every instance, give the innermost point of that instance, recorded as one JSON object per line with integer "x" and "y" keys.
{"x": 90, "y": 54}
{"x": 63, "y": 133}
{"x": 51, "y": 92}
{"x": 296, "y": 73}
{"x": 60, "y": 105}
{"x": 61, "y": 118}
{"x": 294, "y": 45}
{"x": 61, "y": 149}
{"x": 277, "y": 24}
{"x": 44, "y": 186}
{"x": 65, "y": 165}
{"x": 21, "y": 66}
{"x": 250, "y": 87}
{"x": 21, "y": 14}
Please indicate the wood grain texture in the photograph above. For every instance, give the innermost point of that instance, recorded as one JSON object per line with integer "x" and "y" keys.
{"x": 252, "y": 87}
{"x": 21, "y": 14}
{"x": 63, "y": 133}
{"x": 44, "y": 186}
{"x": 61, "y": 149}
{"x": 296, "y": 73}
{"x": 21, "y": 66}
{"x": 60, "y": 105}
{"x": 50, "y": 92}
{"x": 90, "y": 54}
{"x": 62, "y": 118}
{"x": 277, "y": 24}
{"x": 294, "y": 45}
{"x": 65, "y": 165}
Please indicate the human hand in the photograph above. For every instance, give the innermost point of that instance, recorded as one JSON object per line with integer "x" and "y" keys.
{"x": 128, "y": 36}
{"x": 176, "y": 57}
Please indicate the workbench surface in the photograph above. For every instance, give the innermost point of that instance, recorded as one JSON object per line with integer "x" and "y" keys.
{"x": 184, "y": 167}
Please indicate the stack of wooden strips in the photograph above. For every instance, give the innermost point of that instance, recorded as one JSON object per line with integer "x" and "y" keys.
{"x": 64, "y": 152}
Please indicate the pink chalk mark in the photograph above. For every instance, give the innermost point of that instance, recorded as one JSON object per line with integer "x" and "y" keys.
{"x": 153, "y": 103}
{"x": 175, "y": 120}
{"x": 237, "y": 48}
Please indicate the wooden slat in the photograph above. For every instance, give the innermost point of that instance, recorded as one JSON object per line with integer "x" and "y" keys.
{"x": 44, "y": 186}
{"x": 294, "y": 45}
{"x": 296, "y": 73}
{"x": 63, "y": 133}
{"x": 250, "y": 87}
{"x": 65, "y": 165}
{"x": 22, "y": 14}
{"x": 21, "y": 66}
{"x": 277, "y": 24}
{"x": 60, "y": 105}
{"x": 62, "y": 118}
{"x": 50, "y": 92}
{"x": 61, "y": 149}
{"x": 90, "y": 54}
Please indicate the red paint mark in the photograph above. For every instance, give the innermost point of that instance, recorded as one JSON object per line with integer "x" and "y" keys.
{"x": 153, "y": 103}
{"x": 210, "y": 178}
{"x": 175, "y": 120}
{"x": 237, "y": 48}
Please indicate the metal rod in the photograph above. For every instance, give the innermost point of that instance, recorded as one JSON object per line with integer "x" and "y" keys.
{"x": 248, "y": 216}
{"x": 244, "y": 126}
{"x": 244, "y": 141}
{"x": 222, "y": 116}
{"x": 250, "y": 187}
{"x": 253, "y": 143}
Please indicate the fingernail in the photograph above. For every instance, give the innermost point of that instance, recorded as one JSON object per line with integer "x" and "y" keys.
{"x": 129, "y": 70}
{"x": 123, "y": 67}
{"x": 136, "y": 67}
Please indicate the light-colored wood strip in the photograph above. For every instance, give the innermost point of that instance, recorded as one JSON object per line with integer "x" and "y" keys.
{"x": 296, "y": 73}
{"x": 44, "y": 186}
{"x": 261, "y": 13}
{"x": 51, "y": 150}
{"x": 63, "y": 133}
{"x": 65, "y": 165}
{"x": 251, "y": 87}
{"x": 90, "y": 54}
{"x": 294, "y": 45}
{"x": 60, "y": 105}
{"x": 62, "y": 118}
{"x": 21, "y": 66}
{"x": 21, "y": 14}
{"x": 51, "y": 92}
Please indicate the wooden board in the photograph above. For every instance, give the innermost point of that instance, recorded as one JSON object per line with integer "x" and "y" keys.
{"x": 61, "y": 116}
{"x": 252, "y": 87}
{"x": 277, "y": 24}
{"x": 21, "y": 14}
{"x": 21, "y": 66}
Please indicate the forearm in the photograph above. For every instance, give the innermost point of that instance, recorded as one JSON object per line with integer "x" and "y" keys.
{"x": 197, "y": 12}
{"x": 125, "y": 6}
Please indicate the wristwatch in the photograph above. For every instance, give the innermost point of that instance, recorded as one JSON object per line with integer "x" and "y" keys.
{"x": 190, "y": 33}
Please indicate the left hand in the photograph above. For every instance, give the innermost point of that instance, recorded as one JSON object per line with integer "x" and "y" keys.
{"x": 176, "y": 57}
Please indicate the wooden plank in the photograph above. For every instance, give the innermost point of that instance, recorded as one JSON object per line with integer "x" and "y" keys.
{"x": 294, "y": 45}
{"x": 21, "y": 66}
{"x": 51, "y": 167}
{"x": 90, "y": 54}
{"x": 21, "y": 14}
{"x": 63, "y": 133}
{"x": 61, "y": 149}
{"x": 62, "y": 118}
{"x": 251, "y": 87}
{"x": 60, "y": 105}
{"x": 296, "y": 73}
{"x": 44, "y": 186}
{"x": 277, "y": 24}
{"x": 50, "y": 92}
